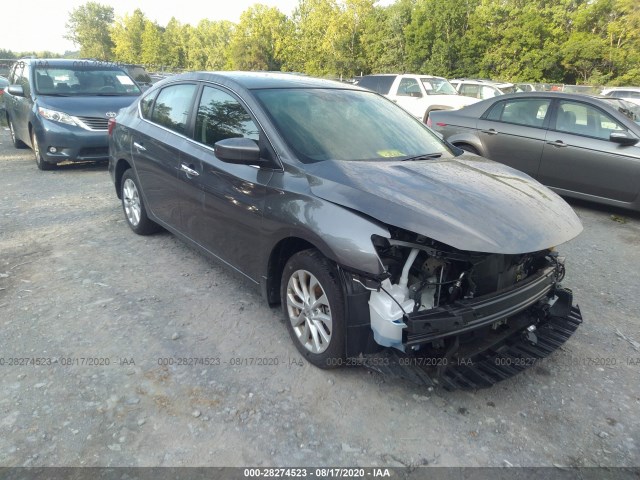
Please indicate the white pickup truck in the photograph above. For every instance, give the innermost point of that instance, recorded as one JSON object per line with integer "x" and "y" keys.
{"x": 417, "y": 94}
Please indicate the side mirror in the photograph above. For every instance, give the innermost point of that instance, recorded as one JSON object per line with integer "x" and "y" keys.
{"x": 623, "y": 138}
{"x": 238, "y": 150}
{"x": 15, "y": 90}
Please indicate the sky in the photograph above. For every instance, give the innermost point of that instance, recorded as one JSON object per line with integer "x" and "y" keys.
{"x": 43, "y": 28}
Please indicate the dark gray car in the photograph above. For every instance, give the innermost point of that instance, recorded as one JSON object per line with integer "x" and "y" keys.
{"x": 365, "y": 227}
{"x": 581, "y": 146}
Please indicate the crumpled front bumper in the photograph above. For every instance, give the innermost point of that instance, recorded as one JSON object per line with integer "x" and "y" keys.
{"x": 467, "y": 315}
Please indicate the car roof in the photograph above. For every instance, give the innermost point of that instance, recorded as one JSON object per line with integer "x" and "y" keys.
{"x": 260, "y": 80}
{"x": 481, "y": 106}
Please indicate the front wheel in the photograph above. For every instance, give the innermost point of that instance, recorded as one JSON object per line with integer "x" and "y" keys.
{"x": 14, "y": 140}
{"x": 134, "y": 208}
{"x": 468, "y": 148}
{"x": 314, "y": 310}
{"x": 40, "y": 162}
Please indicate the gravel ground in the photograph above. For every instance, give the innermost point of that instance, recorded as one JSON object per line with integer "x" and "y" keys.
{"x": 79, "y": 289}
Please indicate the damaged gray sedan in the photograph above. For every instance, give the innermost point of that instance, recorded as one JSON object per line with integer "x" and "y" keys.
{"x": 384, "y": 245}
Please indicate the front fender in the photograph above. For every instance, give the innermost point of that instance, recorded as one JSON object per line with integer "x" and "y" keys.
{"x": 342, "y": 235}
{"x": 469, "y": 139}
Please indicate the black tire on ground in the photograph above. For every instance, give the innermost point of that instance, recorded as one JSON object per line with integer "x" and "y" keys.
{"x": 40, "y": 162}
{"x": 135, "y": 212}
{"x": 319, "y": 333}
{"x": 14, "y": 140}
{"x": 468, "y": 148}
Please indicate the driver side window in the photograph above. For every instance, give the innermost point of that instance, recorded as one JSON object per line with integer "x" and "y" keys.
{"x": 221, "y": 116}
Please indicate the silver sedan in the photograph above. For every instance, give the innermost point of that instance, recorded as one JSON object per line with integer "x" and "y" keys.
{"x": 581, "y": 146}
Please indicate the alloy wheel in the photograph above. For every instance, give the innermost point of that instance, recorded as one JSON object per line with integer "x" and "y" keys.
{"x": 131, "y": 202}
{"x": 309, "y": 311}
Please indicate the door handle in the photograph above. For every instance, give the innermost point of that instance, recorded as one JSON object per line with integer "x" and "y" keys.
{"x": 558, "y": 143}
{"x": 139, "y": 147}
{"x": 491, "y": 131}
{"x": 188, "y": 170}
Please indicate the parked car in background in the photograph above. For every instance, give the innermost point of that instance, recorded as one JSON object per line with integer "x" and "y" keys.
{"x": 3, "y": 83}
{"x": 533, "y": 87}
{"x": 417, "y": 94}
{"x": 584, "y": 89}
{"x": 139, "y": 74}
{"x": 481, "y": 89}
{"x": 581, "y": 146}
{"x": 629, "y": 109}
{"x": 60, "y": 108}
{"x": 353, "y": 215}
{"x": 5, "y": 66}
{"x": 630, "y": 94}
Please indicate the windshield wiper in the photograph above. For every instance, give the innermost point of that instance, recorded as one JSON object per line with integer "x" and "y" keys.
{"x": 424, "y": 156}
{"x": 54, "y": 94}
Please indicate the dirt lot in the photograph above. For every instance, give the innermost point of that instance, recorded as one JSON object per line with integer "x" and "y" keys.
{"x": 79, "y": 289}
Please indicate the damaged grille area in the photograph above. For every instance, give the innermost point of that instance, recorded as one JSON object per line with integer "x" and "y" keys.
{"x": 433, "y": 292}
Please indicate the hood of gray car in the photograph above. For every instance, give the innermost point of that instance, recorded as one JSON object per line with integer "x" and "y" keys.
{"x": 468, "y": 203}
{"x": 87, "y": 106}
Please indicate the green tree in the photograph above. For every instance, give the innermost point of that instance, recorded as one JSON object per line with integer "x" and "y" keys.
{"x": 127, "y": 37}
{"x": 152, "y": 49}
{"x": 311, "y": 45}
{"x": 174, "y": 53}
{"x": 384, "y": 41}
{"x": 208, "y": 45}
{"x": 88, "y": 26}
{"x": 256, "y": 42}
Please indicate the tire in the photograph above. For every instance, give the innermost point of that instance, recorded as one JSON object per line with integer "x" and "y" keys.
{"x": 40, "y": 162}
{"x": 14, "y": 140}
{"x": 135, "y": 212}
{"x": 314, "y": 308}
{"x": 468, "y": 148}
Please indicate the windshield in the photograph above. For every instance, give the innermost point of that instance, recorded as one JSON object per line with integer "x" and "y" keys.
{"x": 78, "y": 81}
{"x": 332, "y": 124}
{"x": 438, "y": 86}
{"x": 631, "y": 110}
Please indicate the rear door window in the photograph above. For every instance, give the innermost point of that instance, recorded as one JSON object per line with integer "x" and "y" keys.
{"x": 173, "y": 106}
{"x": 377, "y": 83}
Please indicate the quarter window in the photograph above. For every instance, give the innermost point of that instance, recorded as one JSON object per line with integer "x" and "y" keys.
{"x": 221, "y": 116}
{"x": 172, "y": 107}
{"x": 583, "y": 119}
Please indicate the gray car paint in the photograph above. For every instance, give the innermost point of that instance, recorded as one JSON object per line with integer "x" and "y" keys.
{"x": 572, "y": 165}
{"x": 466, "y": 202}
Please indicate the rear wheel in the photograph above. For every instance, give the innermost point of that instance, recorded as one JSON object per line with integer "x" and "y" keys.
{"x": 313, "y": 304}
{"x": 134, "y": 208}
{"x": 14, "y": 140}
{"x": 40, "y": 162}
{"x": 468, "y": 148}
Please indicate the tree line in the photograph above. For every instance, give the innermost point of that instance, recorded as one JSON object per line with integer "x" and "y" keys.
{"x": 561, "y": 41}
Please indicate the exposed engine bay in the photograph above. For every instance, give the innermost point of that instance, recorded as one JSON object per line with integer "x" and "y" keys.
{"x": 455, "y": 318}
{"x": 424, "y": 277}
